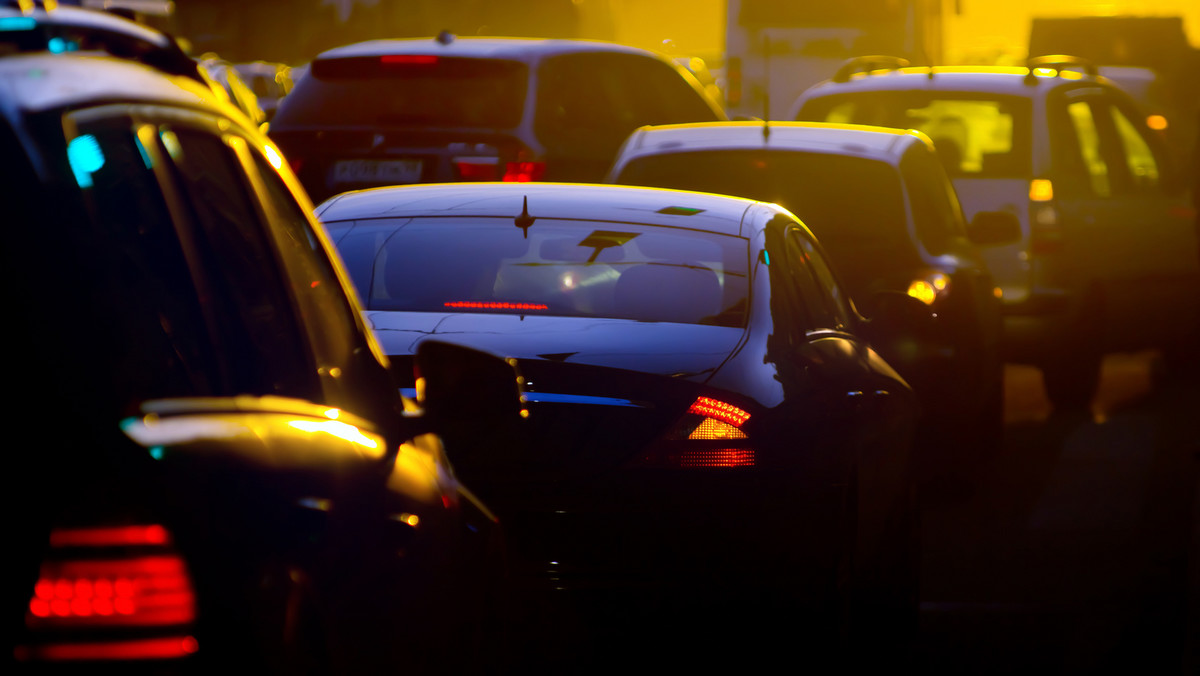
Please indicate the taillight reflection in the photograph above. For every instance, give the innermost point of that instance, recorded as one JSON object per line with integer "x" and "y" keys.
{"x": 524, "y": 172}
{"x": 114, "y": 593}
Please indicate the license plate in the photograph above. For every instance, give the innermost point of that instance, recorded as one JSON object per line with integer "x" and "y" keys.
{"x": 377, "y": 171}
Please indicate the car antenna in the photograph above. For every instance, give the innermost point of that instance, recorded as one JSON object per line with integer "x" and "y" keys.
{"x": 766, "y": 88}
{"x": 524, "y": 220}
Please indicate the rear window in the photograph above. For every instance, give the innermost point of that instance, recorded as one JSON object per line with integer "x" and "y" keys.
{"x": 980, "y": 137}
{"x": 557, "y": 267}
{"x": 405, "y": 89}
{"x": 855, "y": 206}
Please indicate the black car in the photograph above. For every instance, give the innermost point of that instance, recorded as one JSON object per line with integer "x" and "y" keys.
{"x": 210, "y": 466}
{"x": 881, "y": 204}
{"x": 705, "y": 410}
{"x": 476, "y": 109}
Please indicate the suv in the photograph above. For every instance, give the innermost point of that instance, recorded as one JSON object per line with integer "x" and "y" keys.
{"x": 880, "y": 203}
{"x": 216, "y": 467}
{"x": 476, "y": 109}
{"x": 1108, "y": 259}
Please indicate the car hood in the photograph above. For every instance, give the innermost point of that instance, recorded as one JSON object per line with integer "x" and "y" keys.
{"x": 687, "y": 351}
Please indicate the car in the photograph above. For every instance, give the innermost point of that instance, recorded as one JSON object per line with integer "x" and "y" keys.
{"x": 705, "y": 409}
{"x": 476, "y": 109}
{"x": 881, "y": 205}
{"x": 1108, "y": 259}
{"x": 215, "y": 469}
{"x": 35, "y": 27}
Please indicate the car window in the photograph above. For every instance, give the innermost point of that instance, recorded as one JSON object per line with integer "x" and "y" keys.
{"x": 554, "y": 267}
{"x": 409, "y": 90}
{"x": 936, "y": 213}
{"x": 836, "y": 308}
{"x": 1140, "y": 164}
{"x": 264, "y": 342}
{"x": 158, "y": 340}
{"x": 589, "y": 103}
{"x": 978, "y": 136}
{"x": 1091, "y": 159}
{"x": 855, "y": 206}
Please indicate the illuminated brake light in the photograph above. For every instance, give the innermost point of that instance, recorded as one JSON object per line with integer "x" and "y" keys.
{"x": 1041, "y": 190}
{"x": 493, "y": 305}
{"x": 408, "y": 59}
{"x": 121, "y": 536}
{"x": 719, "y": 410}
{"x": 477, "y": 168}
{"x": 170, "y": 647}
{"x": 524, "y": 172}
{"x": 147, "y": 591}
{"x": 722, "y": 457}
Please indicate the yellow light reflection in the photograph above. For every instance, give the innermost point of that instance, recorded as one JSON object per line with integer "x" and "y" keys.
{"x": 273, "y": 157}
{"x": 338, "y": 429}
{"x": 923, "y": 291}
{"x": 1157, "y": 122}
{"x": 405, "y": 517}
{"x": 332, "y": 414}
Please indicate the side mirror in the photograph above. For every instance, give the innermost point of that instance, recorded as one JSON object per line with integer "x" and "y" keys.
{"x": 470, "y": 398}
{"x": 990, "y": 228}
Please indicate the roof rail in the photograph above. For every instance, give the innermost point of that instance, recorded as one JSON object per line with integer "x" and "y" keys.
{"x": 1058, "y": 63}
{"x": 865, "y": 64}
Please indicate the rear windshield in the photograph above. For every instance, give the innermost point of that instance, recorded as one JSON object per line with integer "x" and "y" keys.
{"x": 408, "y": 90}
{"x": 981, "y": 137}
{"x": 558, "y": 267}
{"x": 853, "y": 205}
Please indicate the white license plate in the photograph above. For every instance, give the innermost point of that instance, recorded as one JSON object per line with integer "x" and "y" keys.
{"x": 377, "y": 171}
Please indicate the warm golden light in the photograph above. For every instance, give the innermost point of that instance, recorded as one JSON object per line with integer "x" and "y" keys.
{"x": 338, "y": 429}
{"x": 1157, "y": 122}
{"x": 1041, "y": 190}
{"x": 273, "y": 157}
{"x": 923, "y": 291}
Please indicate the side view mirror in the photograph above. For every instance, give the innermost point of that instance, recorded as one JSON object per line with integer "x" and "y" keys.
{"x": 470, "y": 398}
{"x": 990, "y": 228}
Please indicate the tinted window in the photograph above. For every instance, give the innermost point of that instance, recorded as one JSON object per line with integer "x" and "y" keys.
{"x": 133, "y": 283}
{"x": 854, "y": 206}
{"x": 985, "y": 137}
{"x": 409, "y": 90}
{"x": 587, "y": 104}
{"x": 937, "y": 215}
{"x": 566, "y": 268}
{"x": 262, "y": 339}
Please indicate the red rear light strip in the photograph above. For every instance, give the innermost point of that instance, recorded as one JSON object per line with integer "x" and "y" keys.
{"x": 120, "y": 536}
{"x": 713, "y": 408}
{"x": 408, "y": 59}
{"x": 725, "y": 457}
{"x": 170, "y": 647}
{"x": 147, "y": 591}
{"x": 494, "y": 305}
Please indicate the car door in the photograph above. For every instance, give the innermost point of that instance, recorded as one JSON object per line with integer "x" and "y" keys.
{"x": 1128, "y": 242}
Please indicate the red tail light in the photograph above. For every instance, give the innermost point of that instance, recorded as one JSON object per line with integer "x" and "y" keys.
{"x": 709, "y": 436}
{"x": 113, "y": 606}
{"x": 408, "y": 59}
{"x": 477, "y": 168}
{"x": 524, "y": 172}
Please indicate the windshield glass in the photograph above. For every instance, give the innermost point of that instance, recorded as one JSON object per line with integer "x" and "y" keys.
{"x": 554, "y": 267}
{"x": 979, "y": 137}
{"x": 409, "y": 90}
{"x": 853, "y": 205}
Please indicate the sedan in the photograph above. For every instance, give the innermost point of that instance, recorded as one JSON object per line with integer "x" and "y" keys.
{"x": 703, "y": 407}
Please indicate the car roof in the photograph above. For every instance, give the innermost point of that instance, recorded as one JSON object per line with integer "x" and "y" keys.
{"x": 610, "y": 203}
{"x": 882, "y": 143}
{"x": 39, "y": 81}
{"x": 84, "y": 18}
{"x": 518, "y": 49}
{"x": 1001, "y": 80}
